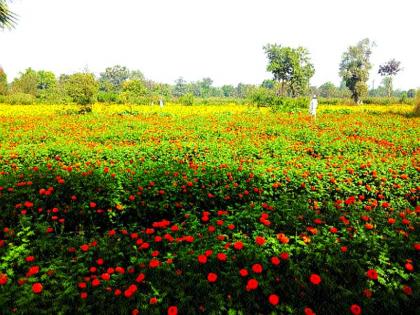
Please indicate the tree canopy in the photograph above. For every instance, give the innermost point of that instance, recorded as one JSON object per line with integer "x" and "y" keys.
{"x": 354, "y": 68}
{"x": 291, "y": 67}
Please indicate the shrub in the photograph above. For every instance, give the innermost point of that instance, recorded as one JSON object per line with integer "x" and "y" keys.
{"x": 81, "y": 87}
{"x": 107, "y": 97}
{"x": 187, "y": 99}
{"x": 417, "y": 104}
{"x": 20, "y": 99}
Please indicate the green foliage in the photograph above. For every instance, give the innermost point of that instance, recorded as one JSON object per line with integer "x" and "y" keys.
{"x": 327, "y": 90}
{"x": 81, "y": 87}
{"x": 187, "y": 99}
{"x": 291, "y": 67}
{"x": 267, "y": 97}
{"x": 20, "y": 99}
{"x": 113, "y": 78}
{"x": 26, "y": 83}
{"x": 7, "y": 18}
{"x": 3, "y": 82}
{"x": 416, "y": 110}
{"x": 354, "y": 68}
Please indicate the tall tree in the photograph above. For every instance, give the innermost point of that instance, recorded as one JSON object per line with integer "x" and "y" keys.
{"x": 328, "y": 89}
{"x": 180, "y": 87}
{"x": 291, "y": 67}
{"x": 7, "y": 18}
{"x": 388, "y": 70}
{"x": 113, "y": 78}
{"x": 3, "y": 82}
{"x": 354, "y": 68}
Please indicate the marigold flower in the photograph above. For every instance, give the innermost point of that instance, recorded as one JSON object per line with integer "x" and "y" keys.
{"x": 3, "y": 279}
{"x": 257, "y": 268}
{"x": 172, "y": 310}
{"x": 212, "y": 277}
{"x": 202, "y": 259}
{"x": 252, "y": 284}
{"x": 315, "y": 279}
{"x": 37, "y": 288}
{"x": 273, "y": 299}
{"x": 355, "y": 309}
{"x": 372, "y": 274}
{"x": 260, "y": 240}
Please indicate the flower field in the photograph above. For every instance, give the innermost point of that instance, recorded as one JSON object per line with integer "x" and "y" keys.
{"x": 209, "y": 209}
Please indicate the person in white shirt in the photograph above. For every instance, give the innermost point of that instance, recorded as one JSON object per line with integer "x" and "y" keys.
{"x": 312, "y": 107}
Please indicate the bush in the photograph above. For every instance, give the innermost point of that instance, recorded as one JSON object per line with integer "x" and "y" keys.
{"x": 417, "y": 104}
{"x": 107, "y": 97}
{"x": 20, "y": 99}
{"x": 81, "y": 87}
{"x": 187, "y": 99}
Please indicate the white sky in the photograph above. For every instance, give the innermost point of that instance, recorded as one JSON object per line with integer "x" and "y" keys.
{"x": 220, "y": 39}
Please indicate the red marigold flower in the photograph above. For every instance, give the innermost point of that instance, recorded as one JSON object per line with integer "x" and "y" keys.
{"x": 84, "y": 247}
{"x": 252, "y": 284}
{"x": 315, "y": 279}
{"x": 308, "y": 311}
{"x": 212, "y": 277}
{"x": 32, "y": 271}
{"x": 368, "y": 293}
{"x": 260, "y": 240}
{"x": 135, "y": 312}
{"x": 202, "y": 259}
{"x": 119, "y": 270}
{"x": 355, "y": 309}
{"x": 83, "y": 295}
{"x": 37, "y": 288}
{"x": 417, "y": 246}
{"x": 409, "y": 267}
{"x": 92, "y": 204}
{"x": 284, "y": 256}
{"x": 238, "y": 245}
{"x": 275, "y": 260}
{"x": 3, "y": 279}
{"x": 407, "y": 290}
{"x": 344, "y": 249}
{"x": 257, "y": 268}
{"x": 273, "y": 299}
{"x": 221, "y": 256}
{"x": 96, "y": 282}
{"x": 243, "y": 272}
{"x": 173, "y": 310}
{"x": 117, "y": 292}
{"x": 30, "y": 259}
{"x": 140, "y": 278}
{"x": 154, "y": 263}
{"x": 105, "y": 276}
{"x": 372, "y": 274}
{"x": 153, "y": 300}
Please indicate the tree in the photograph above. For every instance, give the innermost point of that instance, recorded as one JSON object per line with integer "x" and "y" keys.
{"x": 291, "y": 67}
{"x": 3, "y": 82}
{"x": 46, "y": 80}
{"x": 354, "y": 68}
{"x": 268, "y": 84}
{"x": 328, "y": 89}
{"x": 411, "y": 93}
{"x": 113, "y": 78}
{"x": 26, "y": 83}
{"x": 388, "y": 70}
{"x": 7, "y": 18}
{"x": 228, "y": 90}
{"x": 81, "y": 87}
{"x": 180, "y": 87}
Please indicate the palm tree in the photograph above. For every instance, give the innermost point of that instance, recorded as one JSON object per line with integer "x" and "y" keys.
{"x": 7, "y": 18}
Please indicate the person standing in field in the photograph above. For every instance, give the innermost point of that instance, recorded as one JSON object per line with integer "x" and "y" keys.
{"x": 312, "y": 107}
